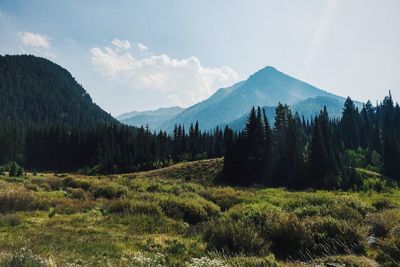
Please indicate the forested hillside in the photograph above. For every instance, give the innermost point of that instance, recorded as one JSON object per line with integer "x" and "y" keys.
{"x": 35, "y": 90}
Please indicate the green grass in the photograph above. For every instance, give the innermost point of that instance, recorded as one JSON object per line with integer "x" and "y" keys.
{"x": 177, "y": 216}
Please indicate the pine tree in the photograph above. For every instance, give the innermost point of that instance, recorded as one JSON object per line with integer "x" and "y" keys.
{"x": 349, "y": 125}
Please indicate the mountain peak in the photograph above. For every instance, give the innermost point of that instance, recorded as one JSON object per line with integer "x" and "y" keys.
{"x": 264, "y": 73}
{"x": 269, "y": 68}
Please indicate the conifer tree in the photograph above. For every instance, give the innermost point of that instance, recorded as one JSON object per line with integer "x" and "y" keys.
{"x": 349, "y": 125}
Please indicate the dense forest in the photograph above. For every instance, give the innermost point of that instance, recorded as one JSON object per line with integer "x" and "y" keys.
{"x": 106, "y": 148}
{"x": 321, "y": 153}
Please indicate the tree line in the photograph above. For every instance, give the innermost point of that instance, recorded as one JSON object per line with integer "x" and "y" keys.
{"x": 318, "y": 153}
{"x": 106, "y": 148}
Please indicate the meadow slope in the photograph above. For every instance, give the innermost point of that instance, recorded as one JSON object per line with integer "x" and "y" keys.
{"x": 178, "y": 216}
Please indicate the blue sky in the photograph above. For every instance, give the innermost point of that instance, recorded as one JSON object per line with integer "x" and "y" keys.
{"x": 138, "y": 55}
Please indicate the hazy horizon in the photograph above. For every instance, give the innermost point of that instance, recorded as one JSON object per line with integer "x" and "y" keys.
{"x": 132, "y": 55}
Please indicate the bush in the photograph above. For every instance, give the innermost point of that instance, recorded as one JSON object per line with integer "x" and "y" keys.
{"x": 76, "y": 183}
{"x": 225, "y": 198}
{"x": 341, "y": 207}
{"x": 55, "y": 183}
{"x": 206, "y": 262}
{"x": 127, "y": 206}
{"x": 381, "y": 223}
{"x": 383, "y": 204}
{"x": 154, "y": 187}
{"x": 349, "y": 208}
{"x": 348, "y": 261}
{"x": 23, "y": 258}
{"x": 332, "y": 236}
{"x": 78, "y": 193}
{"x": 234, "y": 237}
{"x": 182, "y": 188}
{"x": 285, "y": 231}
{"x": 109, "y": 191}
{"x": 71, "y": 206}
{"x": 389, "y": 248}
{"x": 10, "y": 220}
{"x": 15, "y": 200}
{"x": 192, "y": 210}
{"x": 239, "y": 261}
{"x": 142, "y": 260}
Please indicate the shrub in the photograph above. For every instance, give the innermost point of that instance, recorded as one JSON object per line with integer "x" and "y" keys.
{"x": 10, "y": 220}
{"x": 76, "y": 183}
{"x": 381, "y": 223}
{"x": 31, "y": 187}
{"x": 192, "y": 210}
{"x": 234, "y": 237}
{"x": 206, "y": 262}
{"x": 109, "y": 191}
{"x": 142, "y": 260}
{"x": 182, "y": 188}
{"x": 239, "y": 261}
{"x": 127, "y": 206}
{"x": 70, "y": 206}
{"x": 15, "y": 200}
{"x": 341, "y": 207}
{"x": 23, "y": 258}
{"x": 154, "y": 187}
{"x": 383, "y": 204}
{"x": 225, "y": 198}
{"x": 55, "y": 183}
{"x": 347, "y": 260}
{"x": 284, "y": 230}
{"x": 78, "y": 193}
{"x": 332, "y": 236}
{"x": 389, "y": 248}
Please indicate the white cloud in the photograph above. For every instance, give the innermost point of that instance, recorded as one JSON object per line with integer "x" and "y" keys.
{"x": 183, "y": 81}
{"x": 142, "y": 47}
{"x": 124, "y": 44}
{"x": 35, "y": 39}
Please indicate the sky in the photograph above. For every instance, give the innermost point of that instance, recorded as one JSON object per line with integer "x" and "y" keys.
{"x": 141, "y": 55}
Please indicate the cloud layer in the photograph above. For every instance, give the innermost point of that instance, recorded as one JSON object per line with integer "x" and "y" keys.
{"x": 34, "y": 39}
{"x": 183, "y": 81}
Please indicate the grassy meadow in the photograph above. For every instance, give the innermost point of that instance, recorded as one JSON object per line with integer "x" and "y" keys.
{"x": 178, "y": 216}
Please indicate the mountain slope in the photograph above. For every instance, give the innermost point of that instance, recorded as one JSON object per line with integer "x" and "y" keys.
{"x": 36, "y": 90}
{"x": 152, "y": 118}
{"x": 312, "y": 106}
{"x": 266, "y": 87}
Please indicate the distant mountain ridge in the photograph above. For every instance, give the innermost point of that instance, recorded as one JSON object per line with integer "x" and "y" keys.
{"x": 35, "y": 90}
{"x": 266, "y": 87}
{"x": 152, "y": 118}
{"x": 306, "y": 109}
